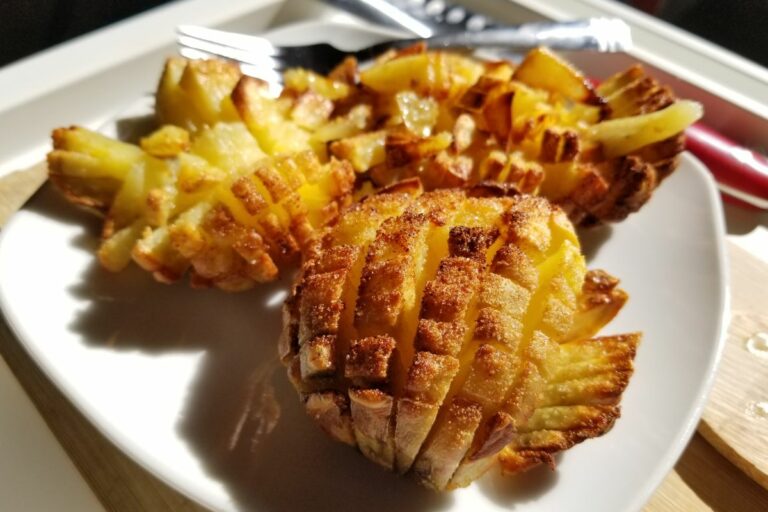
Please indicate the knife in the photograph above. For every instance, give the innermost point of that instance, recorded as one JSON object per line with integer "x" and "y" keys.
{"x": 740, "y": 172}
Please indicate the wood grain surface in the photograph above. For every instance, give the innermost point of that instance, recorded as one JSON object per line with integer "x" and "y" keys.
{"x": 703, "y": 479}
{"x": 17, "y": 187}
{"x": 736, "y": 418}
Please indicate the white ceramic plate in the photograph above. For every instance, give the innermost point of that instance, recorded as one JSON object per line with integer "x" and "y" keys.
{"x": 168, "y": 373}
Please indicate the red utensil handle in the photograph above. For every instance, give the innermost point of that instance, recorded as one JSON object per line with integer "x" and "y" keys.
{"x": 739, "y": 171}
{"x": 732, "y": 164}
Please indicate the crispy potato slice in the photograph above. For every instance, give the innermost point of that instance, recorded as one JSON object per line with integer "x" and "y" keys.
{"x": 371, "y": 411}
{"x": 362, "y": 151}
{"x": 166, "y": 142}
{"x": 624, "y": 135}
{"x": 267, "y": 119}
{"x": 331, "y": 412}
{"x": 196, "y": 93}
{"x": 435, "y": 74}
{"x": 545, "y": 70}
{"x": 299, "y": 81}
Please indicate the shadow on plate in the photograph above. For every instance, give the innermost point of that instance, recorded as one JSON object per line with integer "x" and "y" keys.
{"x": 740, "y": 220}
{"x": 239, "y": 384}
{"x": 48, "y": 202}
{"x": 132, "y": 129}
{"x": 592, "y": 239}
{"x": 509, "y": 492}
{"x": 296, "y": 466}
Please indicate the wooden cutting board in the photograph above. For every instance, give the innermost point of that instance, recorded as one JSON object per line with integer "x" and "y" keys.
{"x": 17, "y": 187}
{"x": 734, "y": 422}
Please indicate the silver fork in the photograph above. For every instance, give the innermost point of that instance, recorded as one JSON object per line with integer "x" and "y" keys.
{"x": 266, "y": 60}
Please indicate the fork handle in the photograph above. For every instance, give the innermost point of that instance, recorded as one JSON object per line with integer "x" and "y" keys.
{"x": 587, "y": 34}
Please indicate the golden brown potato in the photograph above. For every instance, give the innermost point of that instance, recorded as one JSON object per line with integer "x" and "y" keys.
{"x": 195, "y": 93}
{"x": 440, "y": 332}
{"x": 229, "y": 189}
{"x": 541, "y": 127}
{"x": 214, "y": 204}
{"x": 543, "y": 69}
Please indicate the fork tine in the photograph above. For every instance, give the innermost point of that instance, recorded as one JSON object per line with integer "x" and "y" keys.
{"x": 228, "y": 39}
{"x": 263, "y": 71}
{"x": 266, "y": 73}
{"x": 193, "y": 54}
{"x": 261, "y": 60}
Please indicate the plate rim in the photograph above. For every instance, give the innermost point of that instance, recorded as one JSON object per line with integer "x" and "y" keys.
{"x": 696, "y": 410}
